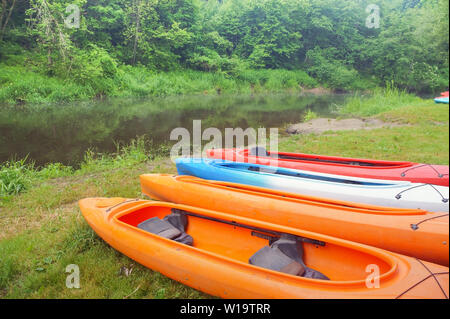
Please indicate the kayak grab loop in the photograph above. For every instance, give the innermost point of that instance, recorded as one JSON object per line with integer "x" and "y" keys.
{"x": 418, "y": 283}
{"x": 403, "y": 174}
{"x": 432, "y": 274}
{"x": 124, "y": 202}
{"x": 416, "y": 226}
{"x": 444, "y": 200}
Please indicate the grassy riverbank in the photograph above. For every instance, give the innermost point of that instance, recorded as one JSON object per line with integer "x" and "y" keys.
{"x": 43, "y": 230}
{"x": 19, "y": 85}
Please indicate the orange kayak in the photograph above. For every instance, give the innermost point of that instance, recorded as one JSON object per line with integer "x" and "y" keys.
{"x": 411, "y": 232}
{"x": 236, "y": 257}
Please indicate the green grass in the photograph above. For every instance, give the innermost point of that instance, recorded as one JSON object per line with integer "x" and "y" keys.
{"x": 43, "y": 230}
{"x": 36, "y": 262}
{"x": 423, "y": 138}
{"x": 379, "y": 101}
{"x": 18, "y": 176}
{"x": 19, "y": 85}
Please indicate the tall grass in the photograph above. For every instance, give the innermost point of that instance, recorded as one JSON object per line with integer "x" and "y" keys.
{"x": 381, "y": 100}
{"x": 20, "y": 85}
{"x": 14, "y": 177}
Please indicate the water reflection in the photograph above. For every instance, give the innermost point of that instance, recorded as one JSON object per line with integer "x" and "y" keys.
{"x": 63, "y": 133}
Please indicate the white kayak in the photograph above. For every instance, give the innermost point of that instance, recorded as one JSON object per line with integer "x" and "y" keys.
{"x": 389, "y": 193}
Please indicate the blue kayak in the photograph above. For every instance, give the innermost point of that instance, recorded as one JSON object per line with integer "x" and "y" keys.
{"x": 402, "y": 194}
{"x": 442, "y": 99}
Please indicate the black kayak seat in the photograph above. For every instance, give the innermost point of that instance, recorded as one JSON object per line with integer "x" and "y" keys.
{"x": 160, "y": 227}
{"x": 171, "y": 227}
{"x": 275, "y": 259}
{"x": 177, "y": 219}
{"x": 285, "y": 255}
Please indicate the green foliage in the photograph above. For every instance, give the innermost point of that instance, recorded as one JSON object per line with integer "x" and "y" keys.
{"x": 267, "y": 33}
{"x": 412, "y": 47}
{"x": 94, "y": 68}
{"x": 326, "y": 39}
{"x": 309, "y": 115}
{"x": 331, "y": 71}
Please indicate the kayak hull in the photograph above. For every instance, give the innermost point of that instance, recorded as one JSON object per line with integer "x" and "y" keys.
{"x": 386, "y": 170}
{"x": 442, "y": 99}
{"x": 218, "y": 275}
{"x": 369, "y": 191}
{"x": 383, "y": 227}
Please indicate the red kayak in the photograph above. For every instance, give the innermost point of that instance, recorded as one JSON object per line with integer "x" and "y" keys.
{"x": 386, "y": 170}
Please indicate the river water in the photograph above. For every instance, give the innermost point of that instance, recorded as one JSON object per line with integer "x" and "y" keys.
{"x": 64, "y": 132}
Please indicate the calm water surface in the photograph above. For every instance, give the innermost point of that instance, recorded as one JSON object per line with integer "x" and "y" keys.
{"x": 63, "y": 133}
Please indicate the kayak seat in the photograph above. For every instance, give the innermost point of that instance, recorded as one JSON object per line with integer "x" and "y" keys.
{"x": 179, "y": 220}
{"x": 285, "y": 255}
{"x": 274, "y": 259}
{"x": 171, "y": 227}
{"x": 160, "y": 227}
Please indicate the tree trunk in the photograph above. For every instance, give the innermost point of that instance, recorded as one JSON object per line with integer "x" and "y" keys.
{"x": 3, "y": 13}
{"x": 4, "y": 24}
{"x": 136, "y": 35}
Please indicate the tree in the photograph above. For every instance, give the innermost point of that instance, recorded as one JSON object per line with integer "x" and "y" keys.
{"x": 6, "y": 11}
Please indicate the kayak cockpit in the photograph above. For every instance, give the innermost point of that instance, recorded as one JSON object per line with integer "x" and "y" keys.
{"x": 252, "y": 244}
